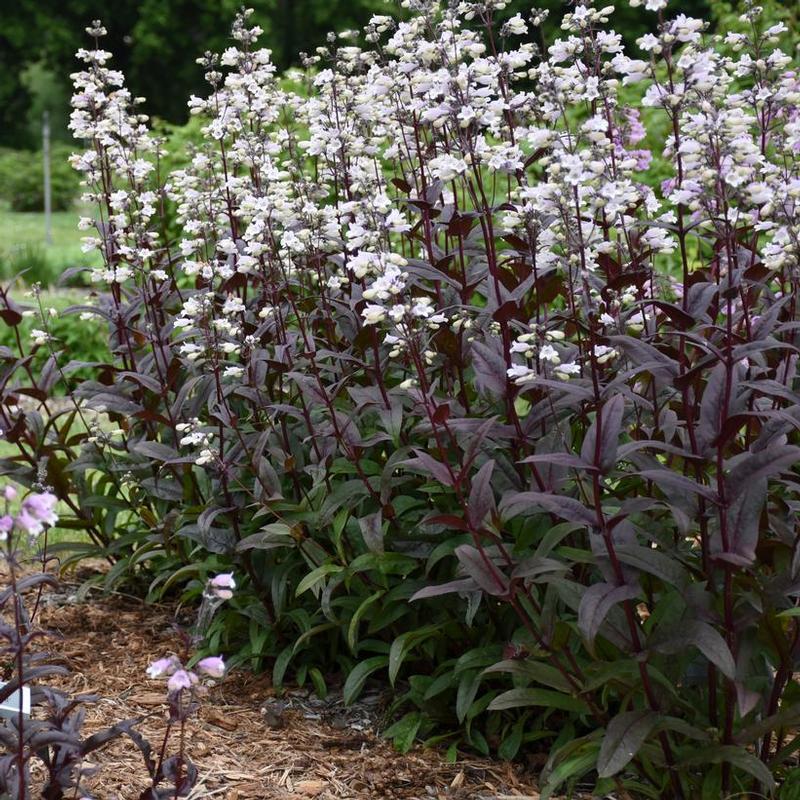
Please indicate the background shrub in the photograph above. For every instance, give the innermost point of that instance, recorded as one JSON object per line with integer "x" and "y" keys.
{"x": 22, "y": 179}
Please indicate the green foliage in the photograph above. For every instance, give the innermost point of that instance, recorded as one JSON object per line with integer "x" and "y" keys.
{"x": 23, "y": 248}
{"x": 30, "y": 261}
{"x": 49, "y": 92}
{"x": 22, "y": 179}
{"x": 82, "y": 340}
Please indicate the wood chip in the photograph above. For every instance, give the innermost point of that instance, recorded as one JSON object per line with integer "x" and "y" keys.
{"x": 221, "y": 720}
{"x": 149, "y": 699}
{"x": 310, "y": 788}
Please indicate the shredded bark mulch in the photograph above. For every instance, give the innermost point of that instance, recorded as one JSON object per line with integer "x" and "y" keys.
{"x": 247, "y": 743}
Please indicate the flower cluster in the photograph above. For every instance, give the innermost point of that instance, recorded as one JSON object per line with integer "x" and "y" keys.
{"x": 288, "y": 195}
{"x": 180, "y": 677}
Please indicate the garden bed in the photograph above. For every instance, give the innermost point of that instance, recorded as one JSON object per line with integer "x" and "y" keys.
{"x": 313, "y": 749}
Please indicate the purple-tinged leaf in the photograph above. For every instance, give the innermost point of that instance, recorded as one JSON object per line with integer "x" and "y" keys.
{"x": 652, "y": 444}
{"x": 702, "y": 636}
{"x": 663, "y": 566}
{"x": 490, "y": 369}
{"x": 624, "y": 736}
{"x": 676, "y": 314}
{"x": 595, "y": 604}
{"x": 746, "y": 699}
{"x": 712, "y": 408}
{"x": 765, "y": 463}
{"x": 675, "y": 480}
{"x": 480, "y": 567}
{"x": 560, "y": 459}
{"x": 640, "y": 352}
{"x": 155, "y": 450}
{"x": 461, "y": 585}
{"x": 534, "y": 566}
{"x": 372, "y": 531}
{"x": 115, "y": 403}
{"x": 603, "y": 452}
{"x": 744, "y": 516}
{"x": 531, "y": 502}
{"x": 448, "y": 520}
{"x": 567, "y": 387}
{"x": 699, "y": 298}
{"x": 428, "y": 466}
{"x": 481, "y": 495}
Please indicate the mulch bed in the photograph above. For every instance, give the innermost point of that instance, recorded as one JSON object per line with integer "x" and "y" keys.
{"x": 107, "y": 645}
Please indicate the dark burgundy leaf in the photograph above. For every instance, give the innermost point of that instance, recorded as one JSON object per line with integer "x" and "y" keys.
{"x": 533, "y": 502}
{"x": 603, "y": 454}
{"x": 641, "y": 353}
{"x": 561, "y": 459}
{"x": 481, "y": 496}
{"x": 429, "y": 466}
{"x": 490, "y": 369}
{"x": 480, "y": 568}
{"x": 595, "y": 604}
{"x": 676, "y": 314}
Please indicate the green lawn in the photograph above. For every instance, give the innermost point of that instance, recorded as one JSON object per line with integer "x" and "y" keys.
{"x": 22, "y": 245}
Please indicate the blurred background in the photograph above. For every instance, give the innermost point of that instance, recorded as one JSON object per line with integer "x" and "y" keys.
{"x": 155, "y": 43}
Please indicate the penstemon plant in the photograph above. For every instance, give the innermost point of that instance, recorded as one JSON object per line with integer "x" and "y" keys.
{"x": 42, "y": 724}
{"x": 176, "y": 775}
{"x": 426, "y": 320}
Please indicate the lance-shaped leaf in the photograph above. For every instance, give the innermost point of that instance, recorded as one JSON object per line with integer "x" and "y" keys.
{"x": 675, "y": 480}
{"x": 701, "y": 635}
{"x": 654, "y": 562}
{"x": 595, "y": 604}
{"x": 481, "y": 496}
{"x": 522, "y": 698}
{"x": 479, "y": 567}
{"x": 560, "y": 459}
{"x": 429, "y": 466}
{"x": 490, "y": 369}
{"x": 531, "y": 670}
{"x": 763, "y": 464}
{"x": 372, "y": 531}
{"x": 530, "y": 502}
{"x": 713, "y": 408}
{"x": 625, "y": 734}
{"x": 463, "y": 585}
{"x": 744, "y": 515}
{"x": 731, "y": 754}
{"x": 155, "y": 450}
{"x": 603, "y": 452}
{"x": 645, "y": 355}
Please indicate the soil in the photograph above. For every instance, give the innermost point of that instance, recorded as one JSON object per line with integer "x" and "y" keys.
{"x": 247, "y": 743}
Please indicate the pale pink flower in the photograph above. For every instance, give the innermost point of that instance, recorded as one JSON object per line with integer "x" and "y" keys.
{"x": 182, "y": 679}
{"x": 213, "y": 666}
{"x": 164, "y": 666}
{"x": 222, "y": 585}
